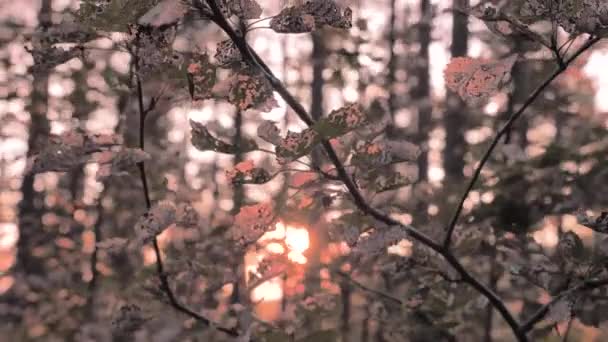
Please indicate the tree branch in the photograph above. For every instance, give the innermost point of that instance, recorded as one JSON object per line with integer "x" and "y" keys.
{"x": 250, "y": 56}
{"x": 542, "y": 312}
{"x": 504, "y": 130}
{"x": 162, "y": 276}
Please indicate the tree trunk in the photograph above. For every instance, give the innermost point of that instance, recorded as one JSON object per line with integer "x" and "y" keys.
{"x": 455, "y": 116}
{"x": 31, "y": 207}
{"x": 422, "y": 91}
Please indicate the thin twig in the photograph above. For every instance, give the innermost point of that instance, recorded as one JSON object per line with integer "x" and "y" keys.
{"x": 365, "y": 288}
{"x": 162, "y": 276}
{"x": 503, "y": 131}
{"x": 544, "y": 310}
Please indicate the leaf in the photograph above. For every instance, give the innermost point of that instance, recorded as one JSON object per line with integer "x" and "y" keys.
{"x": 301, "y": 179}
{"x": 296, "y": 145}
{"x": 327, "y": 12}
{"x": 269, "y": 132}
{"x": 376, "y": 154}
{"x": 252, "y": 222}
{"x": 202, "y": 75}
{"x": 392, "y": 181}
{"x": 570, "y": 246}
{"x": 167, "y": 12}
{"x": 598, "y": 224}
{"x": 160, "y": 217}
{"x": 292, "y": 20}
{"x": 560, "y": 311}
{"x": 251, "y": 90}
{"x": 118, "y": 162}
{"x": 46, "y": 58}
{"x": 478, "y": 78}
{"x": 204, "y": 141}
{"x": 337, "y": 123}
{"x": 379, "y": 240}
{"x": 246, "y": 173}
{"x": 310, "y": 15}
{"x": 227, "y": 54}
{"x": 245, "y": 9}
{"x": 68, "y": 151}
{"x": 113, "y": 15}
{"x": 574, "y": 16}
{"x": 155, "y": 50}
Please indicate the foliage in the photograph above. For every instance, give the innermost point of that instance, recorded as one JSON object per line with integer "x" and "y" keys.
{"x": 439, "y": 279}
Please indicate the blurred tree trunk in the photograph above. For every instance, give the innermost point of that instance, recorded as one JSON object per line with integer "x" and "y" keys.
{"x": 455, "y": 116}
{"x": 392, "y": 67}
{"x": 319, "y": 55}
{"x": 422, "y": 92}
{"x": 31, "y": 207}
{"x": 238, "y": 198}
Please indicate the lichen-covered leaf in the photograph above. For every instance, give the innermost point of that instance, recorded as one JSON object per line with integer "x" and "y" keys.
{"x": 252, "y": 222}
{"x": 292, "y": 20}
{"x": 202, "y": 75}
{"x": 475, "y": 79}
{"x": 251, "y": 90}
{"x": 160, "y": 217}
{"x": 245, "y": 9}
{"x": 227, "y": 54}
{"x": 245, "y": 172}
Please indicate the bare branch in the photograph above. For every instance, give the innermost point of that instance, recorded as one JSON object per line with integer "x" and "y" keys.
{"x": 542, "y": 312}
{"x": 504, "y": 130}
{"x": 162, "y": 276}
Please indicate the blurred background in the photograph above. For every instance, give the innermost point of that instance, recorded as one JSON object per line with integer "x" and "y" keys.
{"x": 57, "y": 286}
